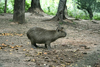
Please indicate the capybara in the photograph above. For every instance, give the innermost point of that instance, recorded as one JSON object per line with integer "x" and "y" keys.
{"x": 43, "y": 36}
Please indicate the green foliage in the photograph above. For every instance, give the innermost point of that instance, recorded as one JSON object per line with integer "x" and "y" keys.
{"x": 10, "y": 5}
{"x": 85, "y": 4}
{"x": 1, "y": 7}
{"x": 9, "y": 10}
{"x": 73, "y": 11}
{"x": 49, "y": 6}
{"x": 12, "y": 2}
{"x": 97, "y": 16}
{"x": 27, "y": 4}
{"x": 69, "y": 13}
{"x": 49, "y": 12}
{"x": 97, "y": 7}
{"x": 77, "y": 15}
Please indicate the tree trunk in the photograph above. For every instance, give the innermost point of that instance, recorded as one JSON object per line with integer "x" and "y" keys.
{"x": 89, "y": 10}
{"x": 5, "y": 6}
{"x": 19, "y": 11}
{"x": 61, "y": 11}
{"x": 35, "y": 6}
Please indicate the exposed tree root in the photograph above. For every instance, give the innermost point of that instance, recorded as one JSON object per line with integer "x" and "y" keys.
{"x": 37, "y": 11}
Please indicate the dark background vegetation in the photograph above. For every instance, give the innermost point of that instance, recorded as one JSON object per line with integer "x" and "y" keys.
{"x": 79, "y": 9}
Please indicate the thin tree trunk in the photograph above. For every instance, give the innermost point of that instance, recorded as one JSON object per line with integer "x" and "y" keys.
{"x": 61, "y": 11}
{"x": 19, "y": 11}
{"x": 5, "y": 6}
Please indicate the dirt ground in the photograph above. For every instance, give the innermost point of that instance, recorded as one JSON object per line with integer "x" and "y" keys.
{"x": 80, "y": 48}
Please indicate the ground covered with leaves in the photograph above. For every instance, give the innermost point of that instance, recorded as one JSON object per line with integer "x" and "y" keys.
{"x": 80, "y": 48}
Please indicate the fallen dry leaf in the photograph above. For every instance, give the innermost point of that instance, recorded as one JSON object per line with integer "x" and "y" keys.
{"x": 6, "y": 40}
{"x": 12, "y": 47}
{"x": 0, "y": 47}
{"x": 3, "y": 44}
{"x": 24, "y": 49}
{"x": 67, "y": 63}
{"x": 20, "y": 46}
{"x": 10, "y": 53}
{"x": 33, "y": 60}
{"x": 45, "y": 53}
{"x": 39, "y": 53}
{"x": 17, "y": 46}
{"x": 31, "y": 48}
{"x": 63, "y": 65}
{"x": 20, "y": 34}
{"x": 10, "y": 50}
